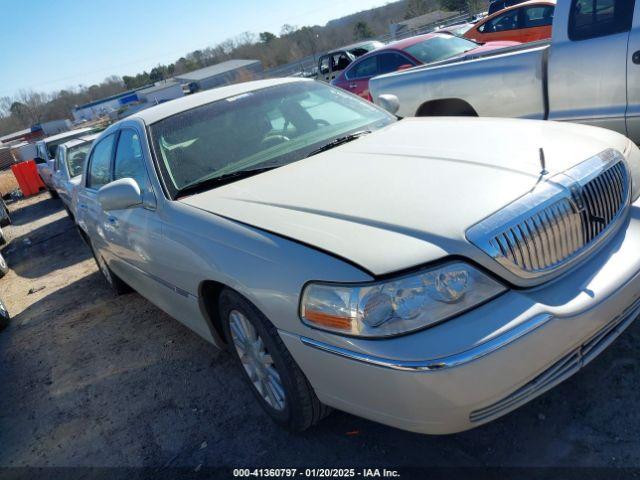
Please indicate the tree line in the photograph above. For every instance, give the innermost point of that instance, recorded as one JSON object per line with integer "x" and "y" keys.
{"x": 29, "y": 107}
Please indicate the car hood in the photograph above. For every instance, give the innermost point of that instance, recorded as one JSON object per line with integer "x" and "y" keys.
{"x": 406, "y": 194}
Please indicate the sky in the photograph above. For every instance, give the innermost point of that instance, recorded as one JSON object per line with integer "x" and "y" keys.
{"x": 47, "y": 45}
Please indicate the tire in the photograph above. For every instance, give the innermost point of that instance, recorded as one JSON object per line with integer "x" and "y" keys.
{"x": 4, "y": 268}
{"x": 117, "y": 286}
{"x": 4, "y": 316}
{"x": 53, "y": 193}
{"x": 5, "y": 219}
{"x": 300, "y": 407}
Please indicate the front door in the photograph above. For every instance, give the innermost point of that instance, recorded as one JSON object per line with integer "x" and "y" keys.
{"x": 587, "y": 63}
{"x": 633, "y": 80}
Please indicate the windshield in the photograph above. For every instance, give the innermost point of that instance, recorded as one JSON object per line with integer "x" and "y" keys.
{"x": 75, "y": 158}
{"x": 440, "y": 47}
{"x": 263, "y": 128}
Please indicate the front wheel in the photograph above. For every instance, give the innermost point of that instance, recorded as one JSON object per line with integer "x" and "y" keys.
{"x": 275, "y": 379}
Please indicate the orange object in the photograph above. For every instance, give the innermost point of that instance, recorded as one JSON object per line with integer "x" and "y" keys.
{"x": 28, "y": 178}
{"x": 328, "y": 320}
{"x": 525, "y": 22}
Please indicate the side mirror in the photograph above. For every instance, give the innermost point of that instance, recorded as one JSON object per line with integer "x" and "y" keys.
{"x": 389, "y": 102}
{"x": 121, "y": 194}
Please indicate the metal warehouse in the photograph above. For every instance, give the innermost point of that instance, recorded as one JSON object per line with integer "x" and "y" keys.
{"x": 220, "y": 74}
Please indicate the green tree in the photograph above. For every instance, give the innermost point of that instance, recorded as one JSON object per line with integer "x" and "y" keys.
{"x": 267, "y": 37}
{"x": 362, "y": 31}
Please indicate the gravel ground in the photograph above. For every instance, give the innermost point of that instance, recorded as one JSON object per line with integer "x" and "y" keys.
{"x": 90, "y": 379}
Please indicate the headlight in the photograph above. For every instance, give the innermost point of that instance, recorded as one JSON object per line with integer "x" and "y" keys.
{"x": 397, "y": 306}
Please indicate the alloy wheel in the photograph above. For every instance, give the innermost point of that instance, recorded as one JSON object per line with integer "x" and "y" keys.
{"x": 256, "y": 360}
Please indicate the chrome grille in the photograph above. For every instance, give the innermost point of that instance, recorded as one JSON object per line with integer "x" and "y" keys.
{"x": 543, "y": 230}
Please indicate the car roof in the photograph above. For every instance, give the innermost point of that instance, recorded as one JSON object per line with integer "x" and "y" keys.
{"x": 518, "y": 5}
{"x": 63, "y": 135}
{"x": 159, "y": 112}
{"x": 351, "y": 47}
{"x": 80, "y": 140}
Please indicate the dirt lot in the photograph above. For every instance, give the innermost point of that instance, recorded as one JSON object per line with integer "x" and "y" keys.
{"x": 89, "y": 379}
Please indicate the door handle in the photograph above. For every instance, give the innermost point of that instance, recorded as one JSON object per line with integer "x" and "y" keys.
{"x": 636, "y": 58}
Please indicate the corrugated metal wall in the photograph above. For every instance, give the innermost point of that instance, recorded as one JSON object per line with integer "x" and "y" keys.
{"x": 6, "y": 158}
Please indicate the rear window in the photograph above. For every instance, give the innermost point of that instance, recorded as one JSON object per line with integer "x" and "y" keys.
{"x": 598, "y": 18}
{"x": 440, "y": 48}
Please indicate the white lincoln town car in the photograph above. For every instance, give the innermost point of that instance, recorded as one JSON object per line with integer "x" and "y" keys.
{"x": 429, "y": 274}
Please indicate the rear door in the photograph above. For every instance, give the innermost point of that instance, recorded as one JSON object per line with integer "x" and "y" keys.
{"x": 633, "y": 79}
{"x": 588, "y": 62}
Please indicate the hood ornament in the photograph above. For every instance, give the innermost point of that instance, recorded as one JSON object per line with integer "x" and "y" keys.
{"x": 543, "y": 164}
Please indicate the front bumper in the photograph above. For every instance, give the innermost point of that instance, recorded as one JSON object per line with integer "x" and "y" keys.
{"x": 482, "y": 365}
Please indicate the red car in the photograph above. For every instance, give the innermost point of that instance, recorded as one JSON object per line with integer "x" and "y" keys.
{"x": 404, "y": 54}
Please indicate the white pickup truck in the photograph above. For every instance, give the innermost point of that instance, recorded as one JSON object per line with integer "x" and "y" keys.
{"x": 588, "y": 73}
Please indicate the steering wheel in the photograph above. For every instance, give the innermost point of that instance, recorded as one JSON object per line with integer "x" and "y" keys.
{"x": 272, "y": 140}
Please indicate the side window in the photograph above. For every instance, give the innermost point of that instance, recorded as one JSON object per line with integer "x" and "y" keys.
{"x": 598, "y": 18}
{"x": 129, "y": 161}
{"x": 390, "y": 62}
{"x": 340, "y": 61}
{"x": 365, "y": 68}
{"x": 42, "y": 153}
{"x": 324, "y": 65}
{"x": 506, "y": 21}
{"x": 58, "y": 161}
{"x": 538, "y": 16}
{"x": 100, "y": 163}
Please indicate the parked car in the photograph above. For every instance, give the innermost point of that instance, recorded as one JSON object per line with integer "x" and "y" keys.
{"x": 332, "y": 63}
{"x": 527, "y": 22}
{"x": 497, "y": 5}
{"x": 4, "y": 316}
{"x": 394, "y": 270}
{"x": 4, "y": 268}
{"x": 404, "y": 54}
{"x": 67, "y": 169}
{"x": 5, "y": 218}
{"x": 47, "y": 148}
{"x": 586, "y": 74}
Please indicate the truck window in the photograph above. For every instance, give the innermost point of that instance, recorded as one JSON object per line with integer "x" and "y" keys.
{"x": 598, "y": 18}
{"x": 324, "y": 64}
{"x": 537, "y": 16}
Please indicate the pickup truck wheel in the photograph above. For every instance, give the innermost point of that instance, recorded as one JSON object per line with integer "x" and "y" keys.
{"x": 4, "y": 316}
{"x": 117, "y": 286}
{"x": 4, "y": 268}
{"x": 271, "y": 372}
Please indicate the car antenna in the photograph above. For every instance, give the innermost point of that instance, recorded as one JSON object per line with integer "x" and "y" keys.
{"x": 543, "y": 163}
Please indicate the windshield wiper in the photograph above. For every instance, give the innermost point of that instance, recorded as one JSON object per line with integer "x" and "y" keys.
{"x": 209, "y": 183}
{"x": 338, "y": 141}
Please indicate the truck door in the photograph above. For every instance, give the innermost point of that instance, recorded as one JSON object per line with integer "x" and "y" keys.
{"x": 633, "y": 80}
{"x": 588, "y": 61}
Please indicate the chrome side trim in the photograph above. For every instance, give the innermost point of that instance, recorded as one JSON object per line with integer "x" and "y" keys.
{"x": 441, "y": 363}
